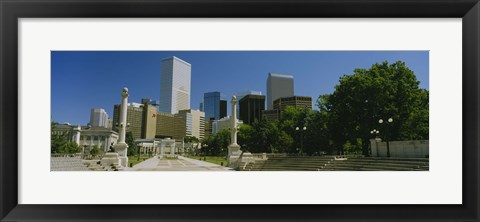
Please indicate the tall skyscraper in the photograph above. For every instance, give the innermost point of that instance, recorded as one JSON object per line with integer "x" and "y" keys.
{"x": 175, "y": 79}
{"x": 98, "y": 117}
{"x": 278, "y": 85}
{"x": 214, "y": 105}
{"x": 251, "y": 108}
{"x": 240, "y": 95}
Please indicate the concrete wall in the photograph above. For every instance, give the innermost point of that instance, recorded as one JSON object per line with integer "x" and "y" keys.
{"x": 404, "y": 149}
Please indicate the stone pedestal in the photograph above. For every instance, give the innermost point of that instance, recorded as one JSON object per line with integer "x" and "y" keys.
{"x": 121, "y": 149}
{"x": 247, "y": 157}
{"x": 234, "y": 153}
{"x": 110, "y": 159}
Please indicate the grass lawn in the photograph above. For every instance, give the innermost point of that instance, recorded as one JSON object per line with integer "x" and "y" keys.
{"x": 211, "y": 159}
{"x": 133, "y": 159}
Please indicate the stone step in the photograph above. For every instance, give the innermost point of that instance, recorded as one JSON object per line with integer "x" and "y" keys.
{"x": 369, "y": 167}
{"x": 383, "y": 161}
{"x": 377, "y": 164}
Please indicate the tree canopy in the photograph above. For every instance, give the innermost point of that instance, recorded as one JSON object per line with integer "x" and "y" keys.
{"x": 384, "y": 91}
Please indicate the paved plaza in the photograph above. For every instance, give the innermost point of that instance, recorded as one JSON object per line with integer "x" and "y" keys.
{"x": 180, "y": 164}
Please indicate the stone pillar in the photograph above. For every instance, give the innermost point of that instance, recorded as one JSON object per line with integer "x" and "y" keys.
{"x": 172, "y": 149}
{"x": 107, "y": 143}
{"x": 162, "y": 149}
{"x": 76, "y": 135}
{"x": 374, "y": 147}
{"x": 233, "y": 122}
{"x": 234, "y": 151}
{"x": 155, "y": 148}
{"x": 121, "y": 147}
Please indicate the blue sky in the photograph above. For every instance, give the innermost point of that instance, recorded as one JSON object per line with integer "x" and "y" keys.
{"x": 82, "y": 80}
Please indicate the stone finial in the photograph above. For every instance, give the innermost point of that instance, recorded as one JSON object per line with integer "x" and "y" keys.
{"x": 125, "y": 92}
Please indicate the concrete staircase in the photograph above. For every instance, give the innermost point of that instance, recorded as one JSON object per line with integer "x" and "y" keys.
{"x": 379, "y": 164}
{"x": 307, "y": 163}
{"x": 329, "y": 163}
{"x": 75, "y": 163}
{"x": 67, "y": 164}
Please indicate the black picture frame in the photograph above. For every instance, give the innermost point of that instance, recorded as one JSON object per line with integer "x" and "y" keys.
{"x": 11, "y": 11}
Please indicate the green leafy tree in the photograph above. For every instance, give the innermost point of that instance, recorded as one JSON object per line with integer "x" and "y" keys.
{"x": 293, "y": 117}
{"x": 216, "y": 144}
{"x": 245, "y": 133}
{"x": 58, "y": 142}
{"x": 221, "y": 140}
{"x": 95, "y": 150}
{"x": 381, "y": 92}
{"x": 264, "y": 136}
{"x": 317, "y": 136}
{"x": 191, "y": 139}
{"x": 72, "y": 147}
{"x": 132, "y": 150}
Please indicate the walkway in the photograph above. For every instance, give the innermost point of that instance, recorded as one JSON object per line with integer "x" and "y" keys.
{"x": 180, "y": 164}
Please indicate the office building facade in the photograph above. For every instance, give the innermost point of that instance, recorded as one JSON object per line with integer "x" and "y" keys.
{"x": 251, "y": 108}
{"x": 271, "y": 115}
{"x": 170, "y": 125}
{"x": 240, "y": 95}
{"x": 195, "y": 122}
{"x": 175, "y": 81}
{"x": 98, "y": 117}
{"x": 214, "y": 105}
{"x": 278, "y": 86}
{"x": 294, "y": 101}
{"x": 149, "y": 125}
{"x": 209, "y": 126}
{"x": 134, "y": 119}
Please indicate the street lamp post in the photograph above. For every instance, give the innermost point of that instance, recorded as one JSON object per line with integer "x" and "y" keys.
{"x": 375, "y": 133}
{"x": 301, "y": 137}
{"x": 138, "y": 152}
{"x": 205, "y": 146}
{"x": 389, "y": 121}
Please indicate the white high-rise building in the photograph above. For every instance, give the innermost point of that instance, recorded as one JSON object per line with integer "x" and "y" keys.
{"x": 175, "y": 79}
{"x": 278, "y": 86}
{"x": 98, "y": 117}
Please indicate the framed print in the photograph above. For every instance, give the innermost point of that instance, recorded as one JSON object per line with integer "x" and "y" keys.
{"x": 225, "y": 110}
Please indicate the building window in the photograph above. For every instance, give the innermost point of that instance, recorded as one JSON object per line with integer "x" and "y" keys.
{"x": 81, "y": 137}
{"x": 88, "y": 137}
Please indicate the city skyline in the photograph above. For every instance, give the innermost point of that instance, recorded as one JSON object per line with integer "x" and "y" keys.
{"x": 102, "y": 75}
